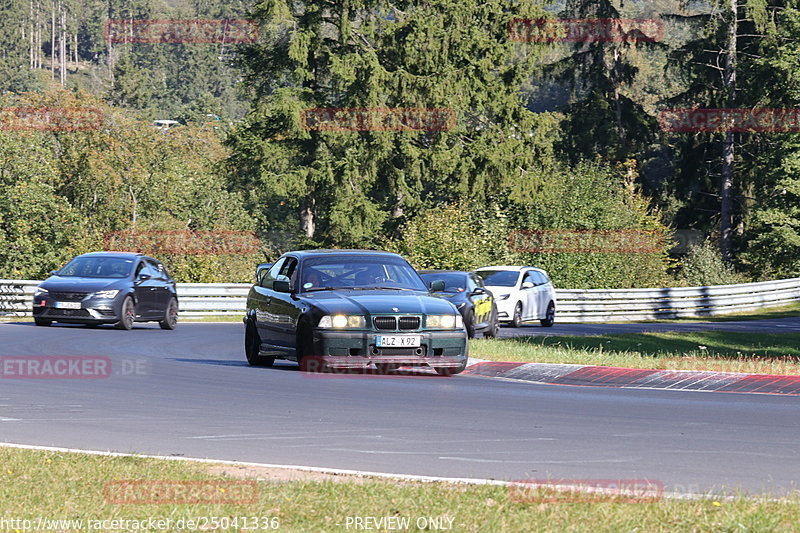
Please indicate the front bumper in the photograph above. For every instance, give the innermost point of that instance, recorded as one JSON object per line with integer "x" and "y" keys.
{"x": 505, "y": 309}
{"x": 357, "y": 349}
{"x": 91, "y": 312}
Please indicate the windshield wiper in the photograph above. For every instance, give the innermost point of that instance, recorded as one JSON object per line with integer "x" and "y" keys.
{"x": 312, "y": 289}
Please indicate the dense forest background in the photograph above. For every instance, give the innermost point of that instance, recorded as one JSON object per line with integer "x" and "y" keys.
{"x": 547, "y": 136}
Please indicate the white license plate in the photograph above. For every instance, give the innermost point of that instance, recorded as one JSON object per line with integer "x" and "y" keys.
{"x": 68, "y": 305}
{"x": 399, "y": 341}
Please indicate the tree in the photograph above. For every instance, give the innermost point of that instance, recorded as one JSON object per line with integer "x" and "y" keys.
{"x": 348, "y": 188}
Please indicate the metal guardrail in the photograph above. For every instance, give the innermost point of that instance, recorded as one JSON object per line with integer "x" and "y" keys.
{"x": 584, "y": 305}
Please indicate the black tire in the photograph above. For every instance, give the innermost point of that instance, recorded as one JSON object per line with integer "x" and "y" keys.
{"x": 42, "y": 322}
{"x": 450, "y": 371}
{"x": 550, "y": 316}
{"x": 494, "y": 326}
{"x": 469, "y": 323}
{"x": 305, "y": 349}
{"x": 170, "y": 320}
{"x": 252, "y": 347}
{"x": 127, "y": 314}
{"x": 516, "y": 320}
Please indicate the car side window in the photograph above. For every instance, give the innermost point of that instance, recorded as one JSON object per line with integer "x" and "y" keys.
{"x": 529, "y": 278}
{"x": 153, "y": 270}
{"x": 541, "y": 279}
{"x": 476, "y": 280}
{"x": 288, "y": 270}
{"x": 471, "y": 285}
{"x": 272, "y": 274}
{"x": 140, "y": 269}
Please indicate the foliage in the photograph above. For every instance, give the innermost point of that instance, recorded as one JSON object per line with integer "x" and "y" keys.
{"x": 703, "y": 266}
{"x": 468, "y": 236}
{"x": 65, "y": 191}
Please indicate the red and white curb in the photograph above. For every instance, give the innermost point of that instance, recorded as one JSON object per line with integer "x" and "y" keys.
{"x": 638, "y": 378}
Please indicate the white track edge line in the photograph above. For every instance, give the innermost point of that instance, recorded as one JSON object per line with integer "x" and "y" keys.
{"x": 321, "y": 470}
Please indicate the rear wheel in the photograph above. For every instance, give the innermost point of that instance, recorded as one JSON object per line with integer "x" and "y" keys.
{"x": 128, "y": 314}
{"x": 170, "y": 320}
{"x": 516, "y": 320}
{"x": 42, "y": 322}
{"x": 550, "y": 317}
{"x": 252, "y": 347}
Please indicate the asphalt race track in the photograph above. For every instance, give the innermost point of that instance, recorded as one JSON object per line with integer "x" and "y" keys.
{"x": 189, "y": 392}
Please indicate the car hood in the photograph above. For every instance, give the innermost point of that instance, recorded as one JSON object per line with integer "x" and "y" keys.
{"x": 377, "y": 302}
{"x": 71, "y": 284}
{"x": 499, "y": 289}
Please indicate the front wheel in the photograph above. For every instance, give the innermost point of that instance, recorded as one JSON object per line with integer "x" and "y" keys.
{"x": 550, "y": 317}
{"x": 469, "y": 324}
{"x": 170, "y": 320}
{"x": 128, "y": 314}
{"x": 450, "y": 371}
{"x": 305, "y": 350}
{"x": 252, "y": 348}
{"x": 516, "y": 321}
{"x": 494, "y": 326}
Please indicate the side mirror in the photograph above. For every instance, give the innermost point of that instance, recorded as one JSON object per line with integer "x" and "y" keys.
{"x": 528, "y": 285}
{"x": 479, "y": 290}
{"x": 437, "y": 286}
{"x": 144, "y": 277}
{"x": 280, "y": 285}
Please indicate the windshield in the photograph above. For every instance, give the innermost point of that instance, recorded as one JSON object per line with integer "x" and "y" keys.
{"x": 358, "y": 272}
{"x": 452, "y": 282}
{"x": 97, "y": 267}
{"x": 499, "y": 278}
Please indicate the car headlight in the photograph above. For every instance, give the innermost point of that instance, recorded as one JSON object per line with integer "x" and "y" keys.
{"x": 503, "y": 297}
{"x": 445, "y": 321}
{"x": 40, "y": 292}
{"x": 343, "y": 321}
{"x": 105, "y": 294}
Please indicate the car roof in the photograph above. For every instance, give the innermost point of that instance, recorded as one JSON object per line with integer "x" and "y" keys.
{"x": 443, "y": 272}
{"x": 126, "y": 255}
{"x": 511, "y": 268}
{"x": 322, "y": 253}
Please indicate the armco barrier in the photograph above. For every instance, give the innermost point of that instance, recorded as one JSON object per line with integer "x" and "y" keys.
{"x": 584, "y": 305}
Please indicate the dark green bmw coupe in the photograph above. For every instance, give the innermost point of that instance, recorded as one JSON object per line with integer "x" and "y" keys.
{"x": 351, "y": 309}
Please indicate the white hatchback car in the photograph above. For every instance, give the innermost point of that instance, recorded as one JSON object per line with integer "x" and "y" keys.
{"x": 522, "y": 294}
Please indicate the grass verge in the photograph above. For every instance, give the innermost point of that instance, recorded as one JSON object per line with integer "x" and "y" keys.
{"x": 69, "y": 486}
{"x": 721, "y": 351}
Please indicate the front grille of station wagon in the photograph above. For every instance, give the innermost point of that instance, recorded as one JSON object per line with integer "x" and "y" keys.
{"x": 68, "y": 296}
{"x": 392, "y": 323}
